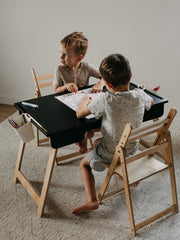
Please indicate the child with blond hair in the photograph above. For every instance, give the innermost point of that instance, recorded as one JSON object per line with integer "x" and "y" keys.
{"x": 72, "y": 72}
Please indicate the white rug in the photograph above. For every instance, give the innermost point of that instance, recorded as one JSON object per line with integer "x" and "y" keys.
{"x": 18, "y": 212}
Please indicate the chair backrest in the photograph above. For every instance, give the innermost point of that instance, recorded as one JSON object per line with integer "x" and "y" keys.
{"x": 41, "y": 82}
{"x": 159, "y": 127}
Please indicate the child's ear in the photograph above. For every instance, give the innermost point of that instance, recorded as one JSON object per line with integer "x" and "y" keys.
{"x": 80, "y": 57}
{"x": 108, "y": 84}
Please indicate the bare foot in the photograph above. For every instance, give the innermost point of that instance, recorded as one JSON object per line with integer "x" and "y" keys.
{"x": 86, "y": 207}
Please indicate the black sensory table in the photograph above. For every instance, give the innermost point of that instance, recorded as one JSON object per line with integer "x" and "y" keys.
{"x": 59, "y": 122}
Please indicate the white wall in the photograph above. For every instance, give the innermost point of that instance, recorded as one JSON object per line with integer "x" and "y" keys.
{"x": 146, "y": 32}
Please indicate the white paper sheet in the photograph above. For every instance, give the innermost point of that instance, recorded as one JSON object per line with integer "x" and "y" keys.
{"x": 73, "y": 100}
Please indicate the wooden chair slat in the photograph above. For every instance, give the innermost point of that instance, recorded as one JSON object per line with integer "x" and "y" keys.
{"x": 46, "y": 84}
{"x": 45, "y": 77}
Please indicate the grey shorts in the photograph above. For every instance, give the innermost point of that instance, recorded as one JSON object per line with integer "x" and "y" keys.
{"x": 95, "y": 160}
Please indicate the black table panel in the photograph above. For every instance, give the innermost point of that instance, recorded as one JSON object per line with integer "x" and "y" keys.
{"x": 61, "y": 123}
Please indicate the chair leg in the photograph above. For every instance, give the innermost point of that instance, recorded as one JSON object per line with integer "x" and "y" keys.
{"x": 172, "y": 175}
{"x": 37, "y": 136}
{"x": 130, "y": 208}
{"x": 128, "y": 199}
{"x": 108, "y": 177}
{"x": 104, "y": 186}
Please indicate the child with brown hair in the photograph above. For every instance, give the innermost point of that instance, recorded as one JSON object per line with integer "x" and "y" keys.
{"x": 118, "y": 106}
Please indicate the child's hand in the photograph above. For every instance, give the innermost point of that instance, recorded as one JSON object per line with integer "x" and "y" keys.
{"x": 71, "y": 87}
{"x": 86, "y": 100}
{"x": 98, "y": 87}
{"x": 83, "y": 109}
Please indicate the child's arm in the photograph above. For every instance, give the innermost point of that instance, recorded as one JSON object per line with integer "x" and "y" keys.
{"x": 83, "y": 109}
{"x": 59, "y": 89}
{"x": 99, "y": 86}
{"x": 152, "y": 101}
{"x": 71, "y": 87}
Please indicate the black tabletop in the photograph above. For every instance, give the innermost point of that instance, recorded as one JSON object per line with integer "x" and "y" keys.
{"x": 60, "y": 123}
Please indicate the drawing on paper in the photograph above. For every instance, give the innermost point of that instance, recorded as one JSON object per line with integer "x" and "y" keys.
{"x": 73, "y": 100}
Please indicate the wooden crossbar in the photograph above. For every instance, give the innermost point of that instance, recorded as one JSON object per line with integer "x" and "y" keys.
{"x": 145, "y": 133}
{"x": 45, "y": 77}
{"x": 146, "y": 152}
{"x": 149, "y": 126}
{"x": 27, "y": 185}
{"x": 46, "y": 84}
{"x": 142, "y": 224}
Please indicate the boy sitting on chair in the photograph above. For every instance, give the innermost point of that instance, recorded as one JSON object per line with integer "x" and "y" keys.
{"x": 73, "y": 72}
{"x": 118, "y": 106}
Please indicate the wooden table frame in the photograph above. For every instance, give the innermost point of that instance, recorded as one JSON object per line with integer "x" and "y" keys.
{"x": 18, "y": 175}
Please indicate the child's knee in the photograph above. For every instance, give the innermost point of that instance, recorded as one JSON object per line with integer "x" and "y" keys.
{"x": 84, "y": 163}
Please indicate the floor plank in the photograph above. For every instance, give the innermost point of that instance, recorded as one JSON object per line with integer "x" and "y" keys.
{"x": 6, "y": 111}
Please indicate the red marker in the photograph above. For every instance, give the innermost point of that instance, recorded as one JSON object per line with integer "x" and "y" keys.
{"x": 156, "y": 88}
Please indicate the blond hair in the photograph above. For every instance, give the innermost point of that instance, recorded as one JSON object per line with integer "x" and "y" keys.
{"x": 77, "y": 42}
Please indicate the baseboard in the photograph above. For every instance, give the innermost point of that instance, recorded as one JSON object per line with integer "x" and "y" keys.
{"x": 9, "y": 99}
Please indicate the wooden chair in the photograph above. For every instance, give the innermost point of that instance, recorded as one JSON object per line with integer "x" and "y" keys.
{"x": 40, "y": 82}
{"x": 143, "y": 164}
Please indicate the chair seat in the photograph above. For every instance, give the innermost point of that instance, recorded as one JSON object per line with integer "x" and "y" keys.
{"x": 141, "y": 168}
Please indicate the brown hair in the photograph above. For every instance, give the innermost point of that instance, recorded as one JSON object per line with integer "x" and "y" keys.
{"x": 77, "y": 42}
{"x": 115, "y": 69}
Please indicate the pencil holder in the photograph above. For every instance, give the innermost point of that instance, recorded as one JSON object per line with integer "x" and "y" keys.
{"x": 25, "y": 130}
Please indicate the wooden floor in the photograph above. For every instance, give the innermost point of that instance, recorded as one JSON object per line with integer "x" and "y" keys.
{"x": 6, "y": 111}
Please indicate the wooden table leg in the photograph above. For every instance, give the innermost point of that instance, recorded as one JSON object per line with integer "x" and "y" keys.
{"x": 46, "y": 182}
{"x": 19, "y": 161}
{"x": 18, "y": 175}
